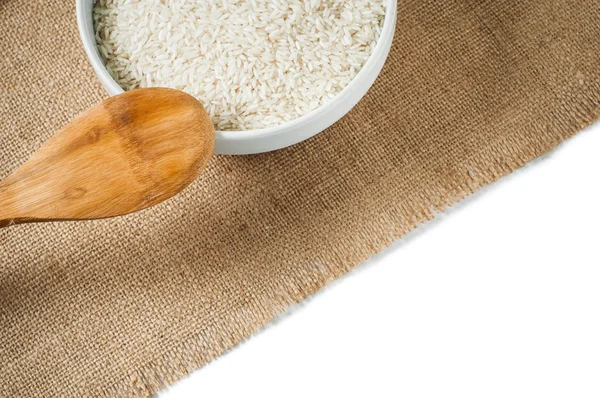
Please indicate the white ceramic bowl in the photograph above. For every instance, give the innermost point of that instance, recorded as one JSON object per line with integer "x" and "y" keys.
{"x": 285, "y": 134}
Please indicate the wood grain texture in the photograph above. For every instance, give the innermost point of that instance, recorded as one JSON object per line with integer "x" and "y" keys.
{"x": 130, "y": 152}
{"x": 472, "y": 90}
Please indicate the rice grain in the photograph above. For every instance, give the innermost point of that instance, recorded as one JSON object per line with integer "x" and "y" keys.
{"x": 243, "y": 59}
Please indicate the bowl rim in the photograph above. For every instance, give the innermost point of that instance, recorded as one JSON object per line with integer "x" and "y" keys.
{"x": 388, "y": 29}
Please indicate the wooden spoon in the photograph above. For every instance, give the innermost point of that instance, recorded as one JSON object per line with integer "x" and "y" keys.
{"x": 130, "y": 152}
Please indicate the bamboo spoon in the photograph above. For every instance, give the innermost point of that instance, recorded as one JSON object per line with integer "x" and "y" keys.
{"x": 130, "y": 152}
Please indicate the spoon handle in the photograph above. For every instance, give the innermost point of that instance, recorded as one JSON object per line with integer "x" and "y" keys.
{"x": 6, "y": 209}
{"x": 5, "y": 223}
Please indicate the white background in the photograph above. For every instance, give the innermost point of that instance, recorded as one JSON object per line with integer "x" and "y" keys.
{"x": 497, "y": 297}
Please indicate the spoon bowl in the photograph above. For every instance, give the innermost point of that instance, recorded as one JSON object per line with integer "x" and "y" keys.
{"x": 129, "y": 152}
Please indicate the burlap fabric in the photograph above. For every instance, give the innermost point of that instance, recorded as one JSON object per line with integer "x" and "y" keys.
{"x": 472, "y": 90}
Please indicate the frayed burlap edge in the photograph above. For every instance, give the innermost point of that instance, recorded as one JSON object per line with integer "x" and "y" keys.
{"x": 499, "y": 159}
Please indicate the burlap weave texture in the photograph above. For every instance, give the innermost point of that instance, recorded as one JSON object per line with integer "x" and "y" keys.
{"x": 472, "y": 90}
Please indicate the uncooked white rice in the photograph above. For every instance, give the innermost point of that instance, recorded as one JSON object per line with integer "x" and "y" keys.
{"x": 252, "y": 63}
